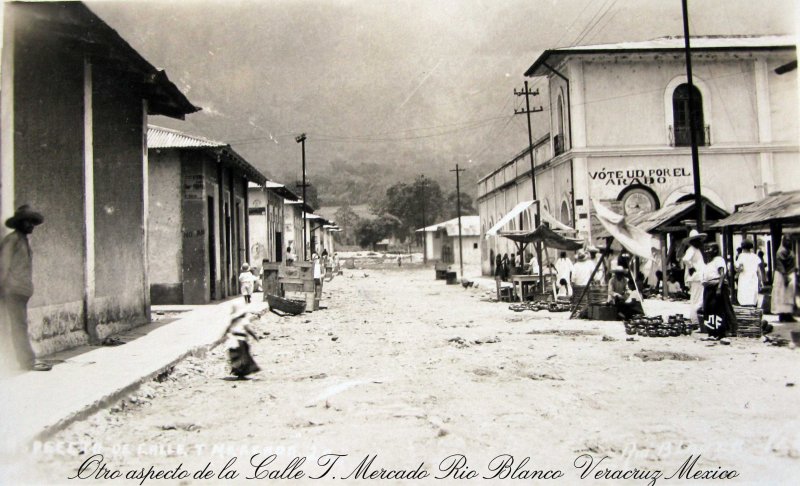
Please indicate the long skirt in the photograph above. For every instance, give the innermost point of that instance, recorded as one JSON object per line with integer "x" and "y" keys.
{"x": 718, "y": 305}
{"x": 695, "y": 301}
{"x": 782, "y": 294}
{"x": 747, "y": 293}
{"x": 242, "y": 363}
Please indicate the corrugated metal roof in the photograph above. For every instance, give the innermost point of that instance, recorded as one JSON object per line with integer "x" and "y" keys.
{"x": 470, "y": 226}
{"x": 781, "y": 207}
{"x": 671, "y": 43}
{"x": 160, "y": 137}
{"x": 166, "y": 138}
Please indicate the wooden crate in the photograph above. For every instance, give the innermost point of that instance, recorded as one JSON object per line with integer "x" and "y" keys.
{"x": 748, "y": 322}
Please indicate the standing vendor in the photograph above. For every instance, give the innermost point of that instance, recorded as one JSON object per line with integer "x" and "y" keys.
{"x": 693, "y": 264}
{"x": 783, "y": 285}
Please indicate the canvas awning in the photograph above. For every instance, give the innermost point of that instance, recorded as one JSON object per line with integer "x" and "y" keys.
{"x": 517, "y": 210}
{"x": 545, "y": 235}
{"x": 669, "y": 217}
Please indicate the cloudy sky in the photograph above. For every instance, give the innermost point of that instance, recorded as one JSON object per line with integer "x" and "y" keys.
{"x": 426, "y": 83}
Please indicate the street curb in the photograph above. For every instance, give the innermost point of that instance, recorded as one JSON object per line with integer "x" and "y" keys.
{"x": 116, "y": 395}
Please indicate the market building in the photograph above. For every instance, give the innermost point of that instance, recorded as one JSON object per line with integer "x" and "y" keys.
{"x": 198, "y": 220}
{"x": 615, "y": 127}
{"x": 75, "y": 102}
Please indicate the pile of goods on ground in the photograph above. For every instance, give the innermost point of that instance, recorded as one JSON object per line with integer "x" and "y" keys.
{"x": 557, "y": 306}
{"x": 676, "y": 325}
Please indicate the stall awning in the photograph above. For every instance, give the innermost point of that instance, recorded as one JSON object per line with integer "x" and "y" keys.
{"x": 545, "y": 235}
{"x": 781, "y": 208}
{"x": 669, "y": 217}
{"x": 518, "y": 209}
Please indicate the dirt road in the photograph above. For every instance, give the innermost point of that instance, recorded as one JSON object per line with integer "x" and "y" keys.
{"x": 405, "y": 367}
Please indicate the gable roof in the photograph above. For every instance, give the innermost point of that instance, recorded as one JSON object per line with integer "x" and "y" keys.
{"x": 666, "y": 44}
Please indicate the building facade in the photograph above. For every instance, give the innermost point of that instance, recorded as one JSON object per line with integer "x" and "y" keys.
{"x": 442, "y": 244}
{"x": 75, "y": 102}
{"x": 266, "y": 214}
{"x": 198, "y": 217}
{"x": 616, "y": 127}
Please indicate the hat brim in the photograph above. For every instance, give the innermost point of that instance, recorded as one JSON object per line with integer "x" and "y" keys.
{"x": 31, "y": 216}
{"x": 698, "y": 236}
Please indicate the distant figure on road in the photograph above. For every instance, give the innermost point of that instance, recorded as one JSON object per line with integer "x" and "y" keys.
{"x": 16, "y": 285}
{"x": 247, "y": 281}
{"x": 238, "y": 334}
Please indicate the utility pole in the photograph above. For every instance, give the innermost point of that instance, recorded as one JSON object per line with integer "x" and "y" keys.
{"x": 698, "y": 198}
{"x": 301, "y": 139}
{"x": 424, "y": 233}
{"x": 527, "y": 93}
{"x": 458, "y": 205}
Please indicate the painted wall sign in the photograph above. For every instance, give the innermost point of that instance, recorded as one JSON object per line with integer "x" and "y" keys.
{"x": 627, "y": 177}
{"x": 193, "y": 186}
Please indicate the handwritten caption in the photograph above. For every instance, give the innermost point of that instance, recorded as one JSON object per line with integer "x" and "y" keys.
{"x": 453, "y": 467}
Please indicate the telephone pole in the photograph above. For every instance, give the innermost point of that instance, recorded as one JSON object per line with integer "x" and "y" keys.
{"x": 301, "y": 139}
{"x": 527, "y": 93}
{"x": 424, "y": 233}
{"x": 458, "y": 205}
{"x": 698, "y": 198}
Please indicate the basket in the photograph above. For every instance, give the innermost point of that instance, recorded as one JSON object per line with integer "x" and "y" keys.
{"x": 748, "y": 320}
{"x": 287, "y": 306}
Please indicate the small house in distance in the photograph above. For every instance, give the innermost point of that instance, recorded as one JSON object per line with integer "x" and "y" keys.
{"x": 198, "y": 220}
{"x": 441, "y": 241}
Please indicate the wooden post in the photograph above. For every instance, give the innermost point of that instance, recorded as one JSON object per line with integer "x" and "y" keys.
{"x": 664, "y": 290}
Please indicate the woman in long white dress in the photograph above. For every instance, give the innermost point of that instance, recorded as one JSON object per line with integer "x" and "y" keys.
{"x": 693, "y": 264}
{"x": 748, "y": 266}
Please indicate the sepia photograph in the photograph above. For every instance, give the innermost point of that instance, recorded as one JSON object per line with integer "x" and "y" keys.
{"x": 431, "y": 242}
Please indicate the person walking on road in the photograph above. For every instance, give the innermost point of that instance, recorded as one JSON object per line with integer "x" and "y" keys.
{"x": 237, "y": 343}
{"x": 247, "y": 281}
{"x": 16, "y": 285}
{"x": 784, "y": 280}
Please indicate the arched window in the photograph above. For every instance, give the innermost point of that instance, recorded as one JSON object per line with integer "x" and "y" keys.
{"x": 681, "y": 113}
{"x": 565, "y": 213}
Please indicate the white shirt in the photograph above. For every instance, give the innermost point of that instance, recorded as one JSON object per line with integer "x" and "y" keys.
{"x": 750, "y": 264}
{"x": 693, "y": 259}
{"x": 582, "y": 272}
{"x": 711, "y": 270}
{"x": 564, "y": 267}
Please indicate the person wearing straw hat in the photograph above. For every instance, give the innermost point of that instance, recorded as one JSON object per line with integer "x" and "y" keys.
{"x": 582, "y": 270}
{"x": 594, "y": 258}
{"x": 16, "y": 284}
{"x": 694, "y": 264}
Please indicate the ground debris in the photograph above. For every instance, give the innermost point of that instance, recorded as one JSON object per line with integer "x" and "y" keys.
{"x": 458, "y": 342}
{"x": 562, "y": 332}
{"x": 484, "y": 372}
{"x": 489, "y": 340}
{"x": 647, "y": 355}
{"x": 543, "y": 377}
{"x": 187, "y": 426}
{"x": 607, "y": 338}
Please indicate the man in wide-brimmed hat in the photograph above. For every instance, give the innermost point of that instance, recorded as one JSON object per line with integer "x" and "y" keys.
{"x": 16, "y": 284}
{"x": 694, "y": 264}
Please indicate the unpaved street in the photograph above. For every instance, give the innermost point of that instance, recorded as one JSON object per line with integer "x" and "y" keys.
{"x": 405, "y": 367}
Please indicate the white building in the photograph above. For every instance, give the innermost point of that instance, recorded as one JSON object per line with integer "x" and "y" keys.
{"x": 441, "y": 241}
{"x": 615, "y": 127}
